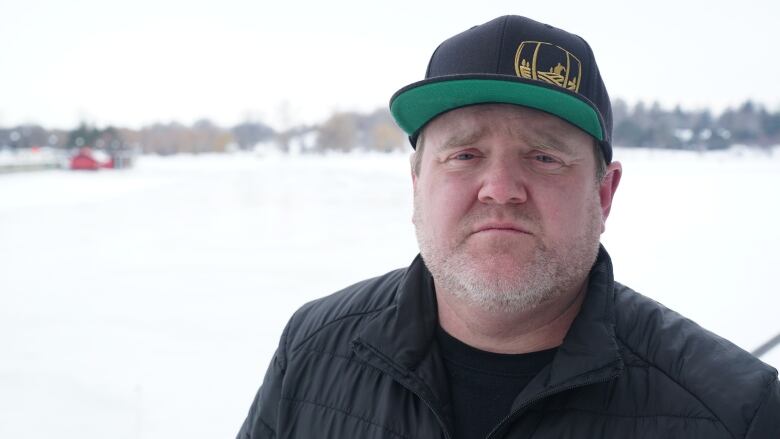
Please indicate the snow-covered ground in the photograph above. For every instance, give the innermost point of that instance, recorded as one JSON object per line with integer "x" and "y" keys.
{"x": 31, "y": 159}
{"x": 146, "y": 303}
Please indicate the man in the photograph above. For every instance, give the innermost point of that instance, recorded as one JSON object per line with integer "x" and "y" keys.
{"x": 510, "y": 324}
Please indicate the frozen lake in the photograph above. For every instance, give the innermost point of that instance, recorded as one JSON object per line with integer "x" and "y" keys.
{"x": 147, "y": 303}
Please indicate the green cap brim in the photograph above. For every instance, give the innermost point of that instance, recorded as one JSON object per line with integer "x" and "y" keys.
{"x": 417, "y": 104}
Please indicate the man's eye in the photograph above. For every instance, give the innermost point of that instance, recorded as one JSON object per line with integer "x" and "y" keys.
{"x": 546, "y": 162}
{"x": 545, "y": 158}
{"x": 464, "y": 156}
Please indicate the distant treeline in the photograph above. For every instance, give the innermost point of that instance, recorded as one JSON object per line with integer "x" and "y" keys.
{"x": 640, "y": 125}
{"x": 652, "y": 126}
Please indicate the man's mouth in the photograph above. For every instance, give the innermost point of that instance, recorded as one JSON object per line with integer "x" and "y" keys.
{"x": 501, "y": 227}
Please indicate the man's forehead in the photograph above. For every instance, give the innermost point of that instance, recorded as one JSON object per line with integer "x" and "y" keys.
{"x": 467, "y": 125}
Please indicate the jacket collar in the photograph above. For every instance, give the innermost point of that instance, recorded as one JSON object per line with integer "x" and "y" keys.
{"x": 405, "y": 331}
{"x": 401, "y": 341}
{"x": 403, "y": 336}
{"x": 590, "y": 344}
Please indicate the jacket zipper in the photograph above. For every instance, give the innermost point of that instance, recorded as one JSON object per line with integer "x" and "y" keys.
{"x": 424, "y": 400}
{"x": 435, "y": 413}
{"x": 544, "y": 395}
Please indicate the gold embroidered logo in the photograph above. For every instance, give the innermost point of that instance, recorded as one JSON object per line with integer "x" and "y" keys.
{"x": 549, "y": 63}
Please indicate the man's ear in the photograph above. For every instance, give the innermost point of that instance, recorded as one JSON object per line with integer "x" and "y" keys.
{"x": 607, "y": 189}
{"x": 411, "y": 168}
{"x": 414, "y": 176}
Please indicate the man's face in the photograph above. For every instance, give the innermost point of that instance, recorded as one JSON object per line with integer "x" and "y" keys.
{"x": 508, "y": 210}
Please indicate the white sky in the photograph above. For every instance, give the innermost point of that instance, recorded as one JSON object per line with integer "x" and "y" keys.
{"x": 135, "y": 62}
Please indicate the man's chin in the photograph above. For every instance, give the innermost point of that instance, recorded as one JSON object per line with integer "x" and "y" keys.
{"x": 502, "y": 259}
{"x": 500, "y": 268}
{"x": 501, "y": 291}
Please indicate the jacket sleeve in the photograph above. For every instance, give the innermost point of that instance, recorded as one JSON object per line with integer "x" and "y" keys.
{"x": 766, "y": 422}
{"x": 260, "y": 423}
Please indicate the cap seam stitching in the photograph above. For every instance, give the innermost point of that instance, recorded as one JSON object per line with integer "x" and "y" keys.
{"x": 501, "y": 44}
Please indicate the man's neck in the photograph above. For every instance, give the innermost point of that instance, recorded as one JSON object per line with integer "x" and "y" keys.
{"x": 540, "y": 328}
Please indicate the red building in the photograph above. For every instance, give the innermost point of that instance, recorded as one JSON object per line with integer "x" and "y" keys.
{"x": 85, "y": 160}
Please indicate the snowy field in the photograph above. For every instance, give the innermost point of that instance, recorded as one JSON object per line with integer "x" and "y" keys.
{"x": 147, "y": 303}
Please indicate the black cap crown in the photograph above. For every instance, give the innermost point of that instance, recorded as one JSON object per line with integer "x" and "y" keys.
{"x": 513, "y": 60}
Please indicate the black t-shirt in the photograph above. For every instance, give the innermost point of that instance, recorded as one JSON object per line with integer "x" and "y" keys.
{"x": 483, "y": 384}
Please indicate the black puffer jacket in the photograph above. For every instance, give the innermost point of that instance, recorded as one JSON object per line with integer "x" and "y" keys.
{"x": 363, "y": 363}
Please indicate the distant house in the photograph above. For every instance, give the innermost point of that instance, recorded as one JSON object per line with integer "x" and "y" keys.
{"x": 85, "y": 160}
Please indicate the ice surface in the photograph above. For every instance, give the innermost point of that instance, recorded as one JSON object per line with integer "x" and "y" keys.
{"x": 147, "y": 303}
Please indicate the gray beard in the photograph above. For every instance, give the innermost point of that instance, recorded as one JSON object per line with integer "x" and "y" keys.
{"x": 551, "y": 272}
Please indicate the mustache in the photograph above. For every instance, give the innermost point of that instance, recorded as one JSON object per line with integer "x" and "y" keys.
{"x": 522, "y": 215}
{"x": 519, "y": 215}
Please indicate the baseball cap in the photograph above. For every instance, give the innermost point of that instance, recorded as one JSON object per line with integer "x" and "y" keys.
{"x": 511, "y": 60}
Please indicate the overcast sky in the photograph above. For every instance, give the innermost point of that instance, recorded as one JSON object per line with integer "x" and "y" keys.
{"x": 135, "y": 62}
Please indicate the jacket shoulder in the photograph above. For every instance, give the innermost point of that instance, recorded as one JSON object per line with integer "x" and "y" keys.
{"x": 358, "y": 302}
{"x": 723, "y": 379}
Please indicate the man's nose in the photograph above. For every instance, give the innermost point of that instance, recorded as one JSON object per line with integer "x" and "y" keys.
{"x": 503, "y": 183}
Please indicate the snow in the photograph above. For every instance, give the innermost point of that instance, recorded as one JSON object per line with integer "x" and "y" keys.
{"x": 38, "y": 157}
{"x": 147, "y": 303}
